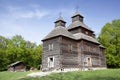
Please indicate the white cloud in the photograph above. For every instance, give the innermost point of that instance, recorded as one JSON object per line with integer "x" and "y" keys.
{"x": 29, "y": 14}
{"x": 21, "y": 12}
{"x": 10, "y": 29}
{"x": 22, "y": 20}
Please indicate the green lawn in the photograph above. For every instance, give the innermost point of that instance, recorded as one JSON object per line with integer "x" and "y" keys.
{"x": 6, "y": 75}
{"x": 109, "y": 74}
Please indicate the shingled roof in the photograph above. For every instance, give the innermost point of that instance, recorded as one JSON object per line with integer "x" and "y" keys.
{"x": 78, "y": 24}
{"x": 62, "y": 31}
{"x": 77, "y": 14}
{"x": 13, "y": 64}
{"x": 101, "y": 46}
{"x": 79, "y": 36}
{"x": 60, "y": 19}
{"x": 59, "y": 31}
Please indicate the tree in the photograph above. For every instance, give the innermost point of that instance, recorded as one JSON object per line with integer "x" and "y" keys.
{"x": 3, "y": 56}
{"x": 15, "y": 48}
{"x": 38, "y": 55}
{"x": 18, "y": 49}
{"x": 110, "y": 38}
{"x": 28, "y": 55}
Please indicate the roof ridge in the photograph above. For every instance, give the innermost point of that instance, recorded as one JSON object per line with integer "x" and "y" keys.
{"x": 76, "y": 24}
{"x": 57, "y": 31}
{"x": 60, "y": 18}
{"x": 86, "y": 37}
{"x": 77, "y": 13}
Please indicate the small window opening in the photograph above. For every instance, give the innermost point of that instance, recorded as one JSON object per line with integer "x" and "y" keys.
{"x": 51, "y": 59}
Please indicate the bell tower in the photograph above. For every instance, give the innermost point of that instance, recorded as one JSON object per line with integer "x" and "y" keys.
{"x": 60, "y": 22}
{"x": 77, "y": 17}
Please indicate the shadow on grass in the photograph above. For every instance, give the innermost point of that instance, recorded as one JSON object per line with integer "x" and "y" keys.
{"x": 89, "y": 75}
{"x": 101, "y": 78}
{"x": 59, "y": 76}
{"x": 63, "y": 77}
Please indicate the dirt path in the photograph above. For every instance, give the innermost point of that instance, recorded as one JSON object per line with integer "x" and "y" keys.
{"x": 36, "y": 74}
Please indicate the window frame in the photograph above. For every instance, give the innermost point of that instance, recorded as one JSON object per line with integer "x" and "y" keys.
{"x": 50, "y": 46}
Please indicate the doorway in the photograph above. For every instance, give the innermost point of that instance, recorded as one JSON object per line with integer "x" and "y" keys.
{"x": 50, "y": 62}
{"x": 89, "y": 61}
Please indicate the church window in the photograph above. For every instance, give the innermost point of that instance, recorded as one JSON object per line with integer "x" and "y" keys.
{"x": 88, "y": 48}
{"x": 50, "y": 47}
{"x": 70, "y": 47}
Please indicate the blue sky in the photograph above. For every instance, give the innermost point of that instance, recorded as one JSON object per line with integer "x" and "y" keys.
{"x": 34, "y": 19}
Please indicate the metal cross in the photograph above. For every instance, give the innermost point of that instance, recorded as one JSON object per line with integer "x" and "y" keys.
{"x": 60, "y": 13}
{"x": 77, "y": 7}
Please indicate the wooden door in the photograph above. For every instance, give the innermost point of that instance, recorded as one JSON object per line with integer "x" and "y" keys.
{"x": 89, "y": 62}
{"x": 50, "y": 62}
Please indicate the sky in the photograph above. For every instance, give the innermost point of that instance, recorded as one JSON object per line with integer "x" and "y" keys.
{"x": 34, "y": 19}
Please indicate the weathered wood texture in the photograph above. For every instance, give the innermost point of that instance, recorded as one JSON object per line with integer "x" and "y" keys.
{"x": 83, "y": 30}
{"x": 48, "y": 53}
{"x": 17, "y": 67}
{"x": 73, "y": 47}
{"x": 69, "y": 53}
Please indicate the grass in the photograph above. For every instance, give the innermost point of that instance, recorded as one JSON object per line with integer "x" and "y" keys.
{"x": 108, "y": 74}
{"x": 6, "y": 75}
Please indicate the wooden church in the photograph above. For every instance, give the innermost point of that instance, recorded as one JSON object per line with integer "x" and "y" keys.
{"x": 72, "y": 48}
